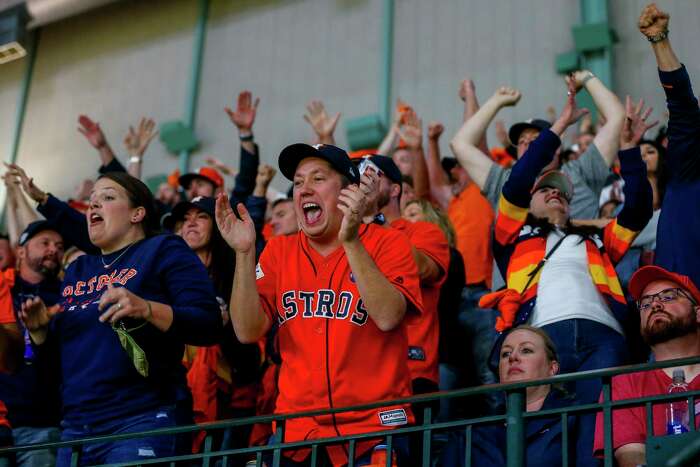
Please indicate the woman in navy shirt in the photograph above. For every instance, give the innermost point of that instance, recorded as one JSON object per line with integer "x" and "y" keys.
{"x": 121, "y": 327}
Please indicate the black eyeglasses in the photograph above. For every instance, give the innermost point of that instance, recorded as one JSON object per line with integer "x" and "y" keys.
{"x": 665, "y": 296}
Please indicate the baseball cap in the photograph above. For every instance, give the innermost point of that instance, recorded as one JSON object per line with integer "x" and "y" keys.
{"x": 206, "y": 173}
{"x": 533, "y": 123}
{"x": 448, "y": 163}
{"x": 292, "y": 155}
{"x": 648, "y": 274}
{"x": 203, "y": 203}
{"x": 34, "y": 228}
{"x": 555, "y": 179}
{"x": 388, "y": 166}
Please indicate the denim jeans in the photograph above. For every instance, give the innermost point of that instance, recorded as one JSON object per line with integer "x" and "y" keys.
{"x": 32, "y": 435}
{"x": 583, "y": 345}
{"x": 129, "y": 449}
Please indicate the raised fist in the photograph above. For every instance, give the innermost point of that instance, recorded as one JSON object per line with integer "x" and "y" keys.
{"x": 653, "y": 23}
{"x": 435, "y": 129}
{"x": 507, "y": 96}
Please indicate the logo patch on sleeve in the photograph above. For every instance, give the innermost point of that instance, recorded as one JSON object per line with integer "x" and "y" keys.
{"x": 393, "y": 417}
{"x": 259, "y": 274}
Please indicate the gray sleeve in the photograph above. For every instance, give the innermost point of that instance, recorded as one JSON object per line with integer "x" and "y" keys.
{"x": 494, "y": 184}
{"x": 591, "y": 169}
{"x": 647, "y": 237}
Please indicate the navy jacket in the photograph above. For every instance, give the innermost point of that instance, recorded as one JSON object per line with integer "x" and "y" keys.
{"x": 678, "y": 234}
{"x": 99, "y": 381}
{"x": 543, "y": 441}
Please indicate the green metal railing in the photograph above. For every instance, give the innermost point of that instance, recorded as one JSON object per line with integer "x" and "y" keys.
{"x": 515, "y": 419}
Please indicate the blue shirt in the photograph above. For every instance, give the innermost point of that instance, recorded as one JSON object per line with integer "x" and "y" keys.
{"x": 99, "y": 381}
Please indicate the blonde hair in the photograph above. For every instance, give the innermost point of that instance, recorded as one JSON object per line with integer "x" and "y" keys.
{"x": 436, "y": 216}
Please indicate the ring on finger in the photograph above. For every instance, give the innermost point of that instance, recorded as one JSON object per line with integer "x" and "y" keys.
{"x": 119, "y": 306}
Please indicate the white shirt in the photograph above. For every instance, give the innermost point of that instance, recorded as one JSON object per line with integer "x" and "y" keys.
{"x": 566, "y": 290}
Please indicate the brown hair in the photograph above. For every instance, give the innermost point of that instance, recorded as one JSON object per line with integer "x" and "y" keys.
{"x": 139, "y": 196}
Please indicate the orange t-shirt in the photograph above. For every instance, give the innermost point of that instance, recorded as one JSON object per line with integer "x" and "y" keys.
{"x": 7, "y": 281}
{"x": 333, "y": 354}
{"x": 472, "y": 217}
{"x": 424, "y": 333}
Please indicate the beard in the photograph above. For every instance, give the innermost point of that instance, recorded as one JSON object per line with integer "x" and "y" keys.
{"x": 48, "y": 266}
{"x": 664, "y": 331}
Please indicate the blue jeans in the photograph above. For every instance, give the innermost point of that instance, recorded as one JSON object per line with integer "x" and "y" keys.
{"x": 129, "y": 449}
{"x": 31, "y": 435}
{"x": 583, "y": 345}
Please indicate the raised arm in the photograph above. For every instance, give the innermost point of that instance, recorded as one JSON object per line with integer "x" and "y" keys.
{"x": 388, "y": 144}
{"x": 612, "y": 110}
{"x": 322, "y": 124}
{"x": 440, "y": 189}
{"x": 249, "y": 320}
{"x": 467, "y": 92}
{"x": 412, "y": 133}
{"x": 136, "y": 142}
{"x": 244, "y": 119}
{"x": 465, "y": 144}
{"x": 94, "y": 135}
{"x": 653, "y": 23}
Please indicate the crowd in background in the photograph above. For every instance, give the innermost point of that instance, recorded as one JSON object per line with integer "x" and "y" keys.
{"x": 569, "y": 244}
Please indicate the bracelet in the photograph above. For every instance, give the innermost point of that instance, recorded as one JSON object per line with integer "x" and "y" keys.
{"x": 150, "y": 311}
{"x": 246, "y": 137}
{"x": 658, "y": 38}
{"x": 134, "y": 160}
{"x": 587, "y": 78}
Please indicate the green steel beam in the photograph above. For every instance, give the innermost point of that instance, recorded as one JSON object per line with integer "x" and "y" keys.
{"x": 387, "y": 61}
{"x": 600, "y": 61}
{"x": 32, "y": 43}
{"x": 200, "y": 34}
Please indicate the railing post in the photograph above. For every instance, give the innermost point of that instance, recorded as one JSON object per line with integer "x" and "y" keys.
{"x": 515, "y": 428}
{"x": 607, "y": 422}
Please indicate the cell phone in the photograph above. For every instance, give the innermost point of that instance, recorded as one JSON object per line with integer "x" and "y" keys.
{"x": 366, "y": 164}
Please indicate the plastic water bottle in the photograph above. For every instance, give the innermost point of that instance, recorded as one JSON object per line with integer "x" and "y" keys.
{"x": 677, "y": 411}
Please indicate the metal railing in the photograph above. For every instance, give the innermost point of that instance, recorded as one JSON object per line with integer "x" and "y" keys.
{"x": 515, "y": 419}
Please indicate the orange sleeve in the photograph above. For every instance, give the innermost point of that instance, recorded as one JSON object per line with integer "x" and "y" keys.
{"x": 394, "y": 258}
{"x": 7, "y": 313}
{"x": 265, "y": 277}
{"x": 3, "y": 415}
{"x": 431, "y": 241}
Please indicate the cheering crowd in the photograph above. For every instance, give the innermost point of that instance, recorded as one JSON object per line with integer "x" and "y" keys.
{"x": 568, "y": 245}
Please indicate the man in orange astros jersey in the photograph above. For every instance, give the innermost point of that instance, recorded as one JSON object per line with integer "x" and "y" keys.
{"x": 339, "y": 292}
{"x": 432, "y": 255}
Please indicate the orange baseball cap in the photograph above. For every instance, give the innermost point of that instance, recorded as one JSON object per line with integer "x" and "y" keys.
{"x": 648, "y": 274}
{"x": 207, "y": 173}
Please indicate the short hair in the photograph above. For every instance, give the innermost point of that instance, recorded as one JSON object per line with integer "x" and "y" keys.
{"x": 407, "y": 179}
{"x": 279, "y": 201}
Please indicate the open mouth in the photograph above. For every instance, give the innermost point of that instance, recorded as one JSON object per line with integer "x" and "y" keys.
{"x": 95, "y": 219}
{"x": 312, "y": 212}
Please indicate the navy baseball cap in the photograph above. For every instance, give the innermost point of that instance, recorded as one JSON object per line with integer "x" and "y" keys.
{"x": 388, "y": 166}
{"x": 203, "y": 203}
{"x": 292, "y": 155}
{"x": 448, "y": 163}
{"x": 34, "y": 228}
{"x": 533, "y": 123}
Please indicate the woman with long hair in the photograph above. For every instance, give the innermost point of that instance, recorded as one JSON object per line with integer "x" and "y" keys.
{"x": 121, "y": 327}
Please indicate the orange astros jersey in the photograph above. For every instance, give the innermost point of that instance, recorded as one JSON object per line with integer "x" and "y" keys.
{"x": 333, "y": 355}
{"x": 424, "y": 333}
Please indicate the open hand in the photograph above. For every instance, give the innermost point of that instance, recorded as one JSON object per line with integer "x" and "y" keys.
{"x": 412, "y": 130}
{"x": 137, "y": 141}
{"x": 15, "y": 172}
{"x": 92, "y": 132}
{"x": 238, "y": 233}
{"x": 466, "y": 89}
{"x": 635, "y": 123}
{"x": 246, "y": 110}
{"x": 322, "y": 124}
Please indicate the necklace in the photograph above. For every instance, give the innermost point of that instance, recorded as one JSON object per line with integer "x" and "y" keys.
{"x": 107, "y": 266}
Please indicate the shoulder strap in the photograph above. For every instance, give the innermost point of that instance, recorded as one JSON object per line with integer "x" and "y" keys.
{"x": 533, "y": 273}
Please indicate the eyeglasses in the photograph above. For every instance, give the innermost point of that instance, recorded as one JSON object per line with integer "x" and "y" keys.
{"x": 665, "y": 296}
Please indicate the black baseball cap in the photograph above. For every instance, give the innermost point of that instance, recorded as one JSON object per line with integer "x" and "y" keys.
{"x": 388, "y": 166}
{"x": 448, "y": 163}
{"x": 292, "y": 155}
{"x": 533, "y": 123}
{"x": 203, "y": 203}
{"x": 34, "y": 228}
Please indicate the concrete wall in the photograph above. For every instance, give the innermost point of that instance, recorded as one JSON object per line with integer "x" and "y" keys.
{"x": 132, "y": 59}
